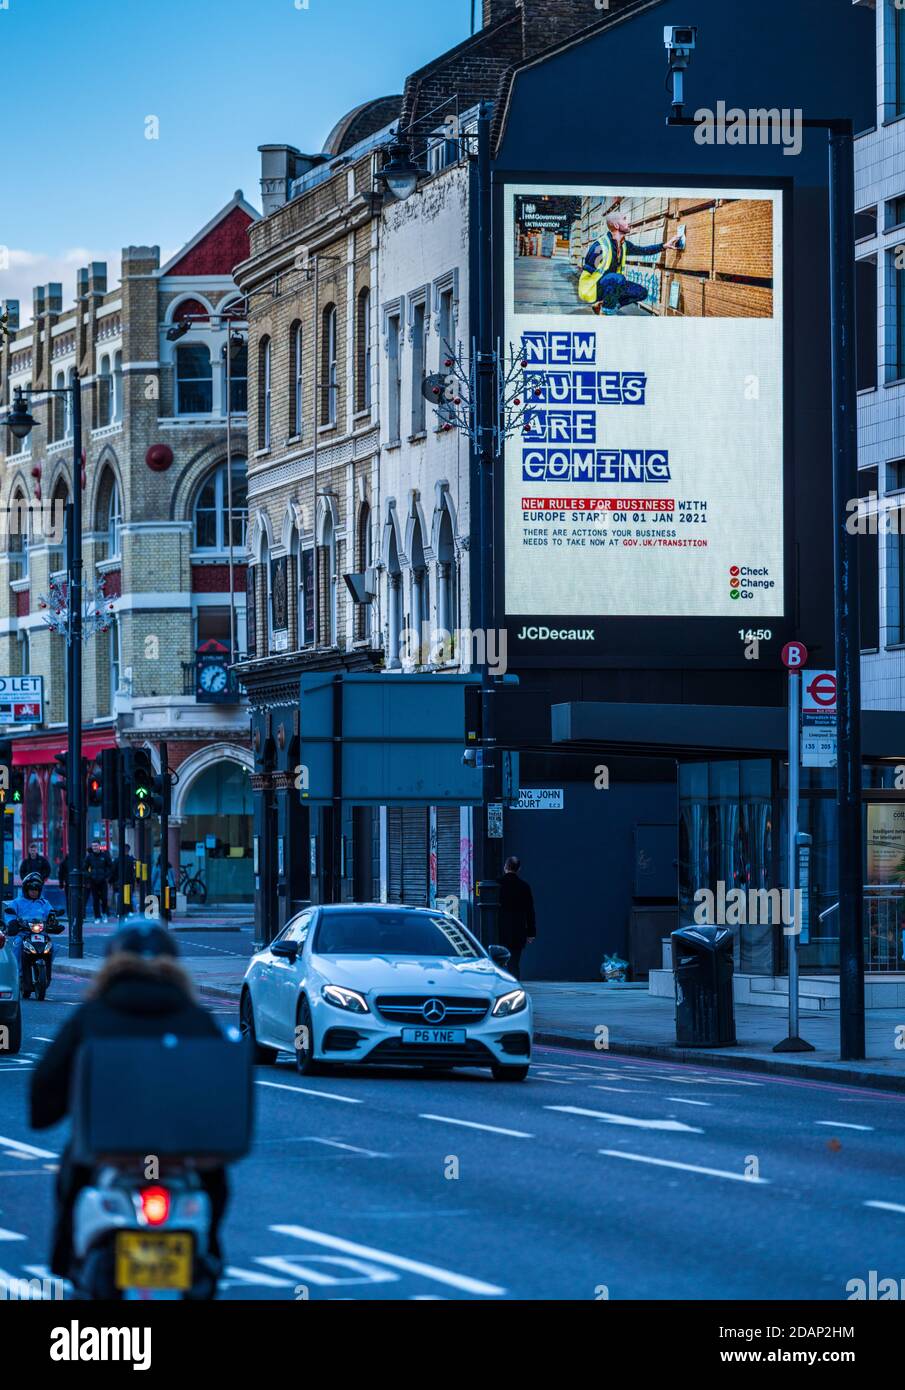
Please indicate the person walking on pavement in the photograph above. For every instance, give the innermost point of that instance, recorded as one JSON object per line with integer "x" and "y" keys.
{"x": 34, "y": 863}
{"x": 517, "y": 923}
{"x": 98, "y": 867}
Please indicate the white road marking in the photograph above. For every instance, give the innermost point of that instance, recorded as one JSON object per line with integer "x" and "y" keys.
{"x": 10, "y": 1235}
{"x": 673, "y": 1125}
{"x": 307, "y": 1268}
{"x": 236, "y": 1277}
{"x": 309, "y": 1091}
{"x": 39, "y": 1037}
{"x": 886, "y": 1206}
{"x": 473, "y": 1124}
{"x": 622, "y": 1090}
{"x": 352, "y": 1148}
{"x": 28, "y": 1149}
{"x": 685, "y": 1167}
{"x": 464, "y": 1282}
{"x": 837, "y": 1124}
{"x": 683, "y": 1100}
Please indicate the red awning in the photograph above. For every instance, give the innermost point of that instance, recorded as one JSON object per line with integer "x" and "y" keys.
{"x": 33, "y": 750}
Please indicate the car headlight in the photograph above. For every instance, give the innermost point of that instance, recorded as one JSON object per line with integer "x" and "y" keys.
{"x": 345, "y": 999}
{"x": 511, "y": 1003}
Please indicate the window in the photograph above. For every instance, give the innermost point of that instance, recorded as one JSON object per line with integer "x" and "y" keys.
{"x": 363, "y": 351}
{"x": 304, "y": 593}
{"x": 67, "y": 400}
{"x": 328, "y": 366}
{"x": 420, "y": 613}
{"x": 194, "y": 380}
{"x": 394, "y": 601}
{"x": 118, "y": 386}
{"x": 364, "y": 562}
{"x": 56, "y": 531}
{"x": 237, "y": 347}
{"x": 866, "y": 324}
{"x": 895, "y": 484}
{"x": 896, "y": 368}
{"x": 446, "y": 584}
{"x": 296, "y": 397}
{"x": 418, "y": 401}
{"x": 58, "y": 410}
{"x": 18, "y": 532}
{"x": 329, "y": 596}
{"x": 115, "y": 659}
{"x": 395, "y": 377}
{"x": 23, "y": 653}
{"x": 898, "y": 20}
{"x": 114, "y": 519}
{"x": 895, "y": 212}
{"x": 865, "y": 223}
{"x": 212, "y": 509}
{"x": 869, "y": 568}
{"x": 264, "y": 365}
{"x": 104, "y": 394}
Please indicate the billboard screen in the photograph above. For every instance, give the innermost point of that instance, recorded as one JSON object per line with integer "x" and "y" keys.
{"x": 646, "y": 479}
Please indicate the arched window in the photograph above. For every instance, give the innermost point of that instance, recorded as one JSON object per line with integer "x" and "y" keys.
{"x": 394, "y": 601}
{"x": 18, "y": 531}
{"x": 194, "y": 380}
{"x": 304, "y": 591}
{"x": 363, "y": 350}
{"x": 67, "y": 409}
{"x": 237, "y": 347}
{"x": 264, "y": 586}
{"x": 328, "y": 598}
{"x": 447, "y": 583}
{"x": 364, "y": 561}
{"x": 58, "y": 409}
{"x": 55, "y": 531}
{"x": 117, "y": 387}
{"x": 104, "y": 393}
{"x": 328, "y": 382}
{"x": 296, "y": 399}
{"x": 264, "y": 393}
{"x": 212, "y": 509}
{"x": 420, "y": 597}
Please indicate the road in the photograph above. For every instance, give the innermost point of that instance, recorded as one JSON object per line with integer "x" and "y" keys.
{"x": 598, "y": 1177}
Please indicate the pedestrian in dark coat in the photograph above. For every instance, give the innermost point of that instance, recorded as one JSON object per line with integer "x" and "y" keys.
{"x": 131, "y": 997}
{"x": 35, "y": 862}
{"x": 98, "y": 866}
{"x": 517, "y": 922}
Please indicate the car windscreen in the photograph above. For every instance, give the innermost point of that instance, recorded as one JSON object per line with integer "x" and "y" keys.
{"x": 364, "y": 933}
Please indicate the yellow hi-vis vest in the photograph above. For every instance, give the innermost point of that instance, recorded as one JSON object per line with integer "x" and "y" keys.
{"x": 587, "y": 280}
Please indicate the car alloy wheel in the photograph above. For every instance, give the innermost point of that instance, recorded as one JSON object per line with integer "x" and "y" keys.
{"x": 304, "y": 1041}
{"x": 260, "y": 1056}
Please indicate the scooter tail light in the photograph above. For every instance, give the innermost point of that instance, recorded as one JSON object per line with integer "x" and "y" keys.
{"x": 155, "y": 1205}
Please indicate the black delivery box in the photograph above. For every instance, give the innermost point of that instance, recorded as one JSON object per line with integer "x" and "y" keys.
{"x": 167, "y": 1096}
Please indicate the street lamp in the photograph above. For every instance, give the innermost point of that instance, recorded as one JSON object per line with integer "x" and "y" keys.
{"x": 20, "y": 422}
{"x": 401, "y": 173}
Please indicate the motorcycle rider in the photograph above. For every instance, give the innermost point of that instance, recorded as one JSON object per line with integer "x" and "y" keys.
{"x": 141, "y": 991}
{"x": 29, "y": 906}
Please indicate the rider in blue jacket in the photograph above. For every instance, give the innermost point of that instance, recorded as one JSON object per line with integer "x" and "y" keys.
{"x": 28, "y": 906}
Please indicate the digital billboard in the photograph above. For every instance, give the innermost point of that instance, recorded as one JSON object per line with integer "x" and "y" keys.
{"x": 646, "y": 479}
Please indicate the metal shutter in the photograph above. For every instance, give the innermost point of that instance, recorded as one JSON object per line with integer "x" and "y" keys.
{"x": 447, "y": 851}
{"x": 415, "y": 865}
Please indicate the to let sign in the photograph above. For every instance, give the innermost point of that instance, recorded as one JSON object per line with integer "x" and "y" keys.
{"x": 21, "y": 699}
{"x": 818, "y": 719}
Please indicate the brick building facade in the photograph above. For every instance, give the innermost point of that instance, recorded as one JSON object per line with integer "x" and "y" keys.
{"x": 149, "y": 357}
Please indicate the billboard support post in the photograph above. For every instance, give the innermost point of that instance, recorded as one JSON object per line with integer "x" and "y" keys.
{"x": 486, "y": 434}
{"x": 794, "y": 1043}
{"x": 848, "y": 616}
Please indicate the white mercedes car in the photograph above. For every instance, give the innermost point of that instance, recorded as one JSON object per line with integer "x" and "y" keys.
{"x": 385, "y": 984}
{"x": 10, "y": 1000}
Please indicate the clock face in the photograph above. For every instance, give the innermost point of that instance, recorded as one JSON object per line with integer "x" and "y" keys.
{"x": 213, "y": 678}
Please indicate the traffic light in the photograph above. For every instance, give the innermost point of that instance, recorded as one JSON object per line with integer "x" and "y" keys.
{"x": 12, "y": 779}
{"x": 95, "y": 785}
{"x": 143, "y": 780}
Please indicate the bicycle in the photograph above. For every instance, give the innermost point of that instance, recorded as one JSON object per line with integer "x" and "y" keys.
{"x": 192, "y": 885}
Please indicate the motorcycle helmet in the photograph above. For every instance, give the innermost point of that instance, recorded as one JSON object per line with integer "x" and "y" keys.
{"x": 146, "y": 939}
{"x": 32, "y": 881}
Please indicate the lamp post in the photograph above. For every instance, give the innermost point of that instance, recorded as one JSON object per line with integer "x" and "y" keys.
{"x": 21, "y": 423}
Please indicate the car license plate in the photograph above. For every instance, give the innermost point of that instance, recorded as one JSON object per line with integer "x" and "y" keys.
{"x": 154, "y": 1260}
{"x": 433, "y": 1035}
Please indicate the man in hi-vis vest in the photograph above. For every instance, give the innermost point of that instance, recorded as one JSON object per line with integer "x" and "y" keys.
{"x": 603, "y": 283}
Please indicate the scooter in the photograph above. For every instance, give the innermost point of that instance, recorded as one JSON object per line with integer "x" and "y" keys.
{"x": 138, "y": 1240}
{"x": 37, "y": 953}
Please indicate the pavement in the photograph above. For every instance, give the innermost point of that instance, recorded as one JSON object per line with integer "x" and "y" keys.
{"x": 622, "y": 1020}
{"x": 600, "y": 1177}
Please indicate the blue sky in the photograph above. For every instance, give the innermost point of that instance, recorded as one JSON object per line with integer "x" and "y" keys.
{"x": 80, "y": 77}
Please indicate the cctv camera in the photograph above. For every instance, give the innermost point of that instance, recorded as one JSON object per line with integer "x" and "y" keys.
{"x": 679, "y": 39}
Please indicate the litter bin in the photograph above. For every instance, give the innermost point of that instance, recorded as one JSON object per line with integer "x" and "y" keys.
{"x": 703, "y": 966}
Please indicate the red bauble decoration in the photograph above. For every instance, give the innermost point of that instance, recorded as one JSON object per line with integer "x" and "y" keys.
{"x": 36, "y": 471}
{"x": 159, "y": 457}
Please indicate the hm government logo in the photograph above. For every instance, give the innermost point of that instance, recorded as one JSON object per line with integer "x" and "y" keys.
{"x": 557, "y": 634}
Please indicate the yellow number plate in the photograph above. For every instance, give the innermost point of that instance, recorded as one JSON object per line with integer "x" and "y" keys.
{"x": 154, "y": 1260}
